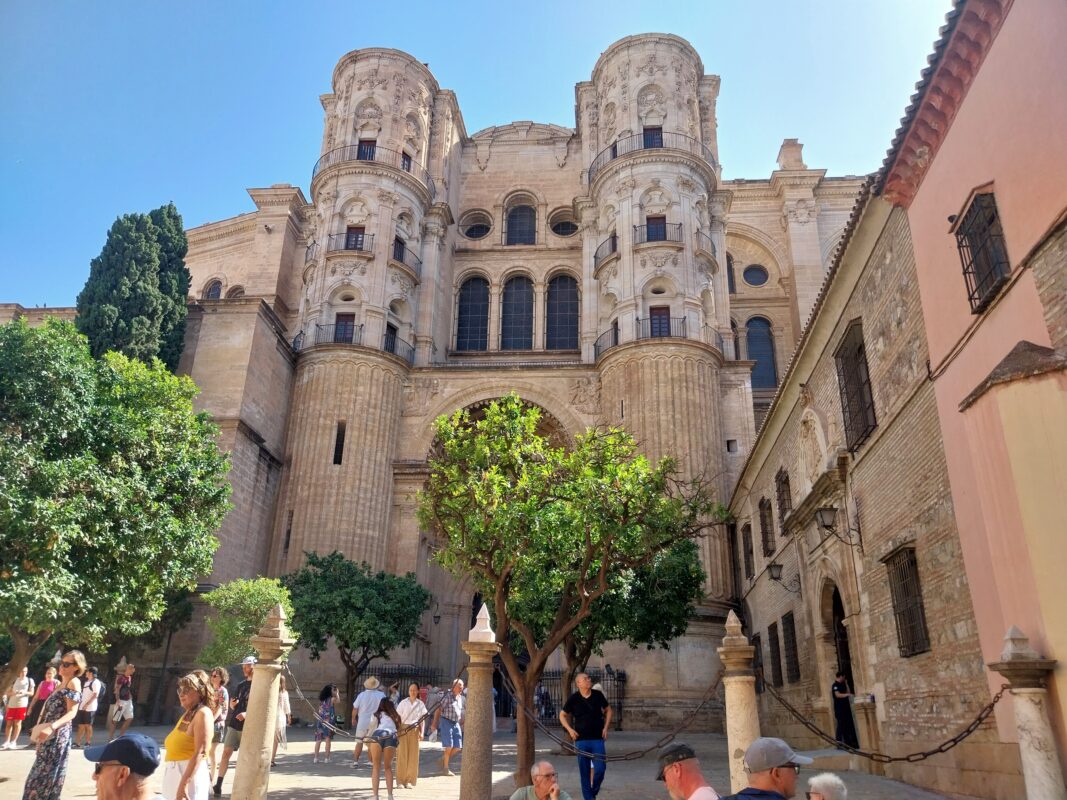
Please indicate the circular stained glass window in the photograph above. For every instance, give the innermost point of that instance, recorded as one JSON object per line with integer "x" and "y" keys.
{"x": 755, "y": 275}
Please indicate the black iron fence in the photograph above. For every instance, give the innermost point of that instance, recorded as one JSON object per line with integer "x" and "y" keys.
{"x": 406, "y": 257}
{"x": 661, "y": 328}
{"x": 605, "y": 249}
{"x": 550, "y": 694}
{"x": 645, "y": 141}
{"x": 352, "y": 240}
{"x": 371, "y": 151}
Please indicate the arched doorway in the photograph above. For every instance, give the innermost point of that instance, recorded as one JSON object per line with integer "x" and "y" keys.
{"x": 840, "y": 633}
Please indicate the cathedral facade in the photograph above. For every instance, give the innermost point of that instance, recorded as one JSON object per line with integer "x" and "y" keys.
{"x": 605, "y": 273}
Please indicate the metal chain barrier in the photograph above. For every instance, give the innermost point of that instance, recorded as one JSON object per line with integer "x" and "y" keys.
{"x": 883, "y": 758}
{"x": 568, "y": 746}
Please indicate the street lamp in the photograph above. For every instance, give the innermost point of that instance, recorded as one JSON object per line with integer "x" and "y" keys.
{"x": 774, "y": 570}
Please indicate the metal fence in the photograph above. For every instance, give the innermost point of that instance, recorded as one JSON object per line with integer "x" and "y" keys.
{"x": 550, "y": 695}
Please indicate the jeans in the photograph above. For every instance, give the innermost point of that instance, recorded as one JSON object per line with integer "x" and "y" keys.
{"x": 590, "y": 790}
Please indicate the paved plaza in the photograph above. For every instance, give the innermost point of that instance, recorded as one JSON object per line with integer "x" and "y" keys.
{"x": 297, "y": 777}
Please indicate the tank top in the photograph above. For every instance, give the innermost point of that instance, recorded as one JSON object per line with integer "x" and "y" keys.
{"x": 181, "y": 744}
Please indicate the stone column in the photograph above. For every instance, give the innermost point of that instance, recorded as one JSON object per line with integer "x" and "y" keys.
{"x": 1027, "y": 673}
{"x": 261, "y": 719}
{"x": 742, "y": 720}
{"x": 476, "y": 778}
{"x": 867, "y": 722}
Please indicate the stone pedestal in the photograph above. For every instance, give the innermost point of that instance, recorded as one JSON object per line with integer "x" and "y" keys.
{"x": 867, "y": 725}
{"x": 1027, "y": 673}
{"x": 742, "y": 719}
{"x": 476, "y": 778}
{"x": 261, "y": 719}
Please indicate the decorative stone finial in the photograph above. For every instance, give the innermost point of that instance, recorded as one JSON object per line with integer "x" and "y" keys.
{"x": 733, "y": 624}
{"x": 1017, "y": 646}
{"x": 481, "y": 632}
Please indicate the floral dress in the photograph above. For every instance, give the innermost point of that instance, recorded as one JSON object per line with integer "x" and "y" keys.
{"x": 45, "y": 781}
{"x": 324, "y": 722}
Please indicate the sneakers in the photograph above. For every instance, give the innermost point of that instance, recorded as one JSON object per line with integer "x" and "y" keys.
{"x": 315, "y": 760}
{"x": 75, "y": 746}
{"x": 217, "y": 791}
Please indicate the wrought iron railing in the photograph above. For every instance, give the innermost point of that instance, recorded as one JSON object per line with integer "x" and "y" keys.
{"x": 658, "y": 232}
{"x": 661, "y": 328}
{"x": 362, "y": 242}
{"x": 662, "y": 141}
{"x": 391, "y": 343}
{"x": 607, "y": 340}
{"x": 379, "y": 155}
{"x": 406, "y": 257}
{"x": 706, "y": 243}
{"x": 343, "y": 333}
{"x": 714, "y": 338}
{"x": 605, "y": 249}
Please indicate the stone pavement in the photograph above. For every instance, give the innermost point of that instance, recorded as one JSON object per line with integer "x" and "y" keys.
{"x": 296, "y": 777}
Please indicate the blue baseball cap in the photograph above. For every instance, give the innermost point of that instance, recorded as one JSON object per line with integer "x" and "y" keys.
{"x": 133, "y": 750}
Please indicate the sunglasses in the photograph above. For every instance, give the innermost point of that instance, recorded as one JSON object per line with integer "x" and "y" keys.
{"x": 792, "y": 766}
{"x": 68, "y": 664}
{"x": 100, "y": 766}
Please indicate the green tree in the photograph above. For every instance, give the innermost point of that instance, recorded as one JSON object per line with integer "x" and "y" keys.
{"x": 365, "y": 613}
{"x": 111, "y": 488}
{"x": 527, "y": 521}
{"x": 121, "y": 307}
{"x": 173, "y": 282}
{"x": 241, "y": 608}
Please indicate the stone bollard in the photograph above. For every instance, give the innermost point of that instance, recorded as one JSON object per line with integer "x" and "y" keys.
{"x": 742, "y": 719}
{"x": 476, "y": 777}
{"x": 261, "y": 719}
{"x": 1027, "y": 672}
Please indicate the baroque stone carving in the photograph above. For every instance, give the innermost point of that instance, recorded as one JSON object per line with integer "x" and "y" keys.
{"x": 585, "y": 395}
{"x": 386, "y": 197}
{"x": 686, "y": 184}
{"x": 650, "y": 103}
{"x": 658, "y": 260}
{"x": 799, "y": 211}
{"x": 656, "y": 199}
{"x": 349, "y": 268}
{"x": 418, "y": 393}
{"x": 402, "y": 283}
{"x": 651, "y": 66}
{"x": 372, "y": 80}
{"x": 368, "y": 110}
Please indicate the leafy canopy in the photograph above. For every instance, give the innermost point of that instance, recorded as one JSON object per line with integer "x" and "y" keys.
{"x": 111, "y": 488}
{"x": 241, "y": 609}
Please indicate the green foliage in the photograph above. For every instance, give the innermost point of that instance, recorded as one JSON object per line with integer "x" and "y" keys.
{"x": 365, "y": 613}
{"x": 173, "y": 282}
{"x": 111, "y": 487}
{"x": 134, "y": 301}
{"x": 242, "y": 606}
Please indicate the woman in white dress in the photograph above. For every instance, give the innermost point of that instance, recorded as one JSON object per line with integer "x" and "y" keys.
{"x": 411, "y": 711}
{"x": 285, "y": 718}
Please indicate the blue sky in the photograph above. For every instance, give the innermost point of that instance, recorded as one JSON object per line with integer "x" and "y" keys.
{"x": 113, "y": 107}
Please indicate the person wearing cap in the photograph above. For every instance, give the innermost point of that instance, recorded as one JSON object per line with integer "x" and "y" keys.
{"x": 122, "y": 709}
{"x": 124, "y": 766}
{"x": 586, "y": 716}
{"x": 545, "y": 784}
{"x": 235, "y": 722}
{"x": 680, "y": 770}
{"x": 363, "y": 709}
{"x": 772, "y": 769}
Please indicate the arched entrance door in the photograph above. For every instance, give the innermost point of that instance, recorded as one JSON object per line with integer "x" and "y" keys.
{"x": 840, "y": 632}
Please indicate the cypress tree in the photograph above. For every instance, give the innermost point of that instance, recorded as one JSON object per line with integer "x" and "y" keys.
{"x": 173, "y": 282}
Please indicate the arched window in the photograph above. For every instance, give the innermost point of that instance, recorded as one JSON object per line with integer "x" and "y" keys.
{"x": 730, "y": 282}
{"x": 561, "y": 314}
{"x": 235, "y": 292}
{"x": 522, "y": 225}
{"x": 516, "y": 315}
{"x": 213, "y": 290}
{"x": 761, "y": 350}
{"x": 472, "y": 324}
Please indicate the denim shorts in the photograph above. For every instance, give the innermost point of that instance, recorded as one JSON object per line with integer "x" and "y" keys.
{"x": 382, "y": 738}
{"x": 450, "y": 734}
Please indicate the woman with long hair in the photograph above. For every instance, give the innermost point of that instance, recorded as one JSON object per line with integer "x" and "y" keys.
{"x": 44, "y": 689}
{"x": 324, "y": 719}
{"x": 220, "y": 676}
{"x": 285, "y": 717}
{"x": 52, "y": 734}
{"x": 185, "y": 770}
{"x": 383, "y": 743}
{"x": 411, "y": 711}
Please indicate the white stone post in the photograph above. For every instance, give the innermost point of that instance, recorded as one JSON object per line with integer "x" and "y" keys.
{"x": 1027, "y": 672}
{"x": 261, "y": 718}
{"x": 476, "y": 777}
{"x": 742, "y": 721}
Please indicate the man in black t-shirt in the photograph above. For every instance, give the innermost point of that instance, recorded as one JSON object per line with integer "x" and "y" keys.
{"x": 235, "y": 721}
{"x": 586, "y": 716}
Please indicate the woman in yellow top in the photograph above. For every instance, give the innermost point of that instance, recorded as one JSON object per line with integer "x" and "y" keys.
{"x": 185, "y": 771}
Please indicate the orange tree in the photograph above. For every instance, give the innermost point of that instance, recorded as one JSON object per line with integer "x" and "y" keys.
{"x": 545, "y": 532}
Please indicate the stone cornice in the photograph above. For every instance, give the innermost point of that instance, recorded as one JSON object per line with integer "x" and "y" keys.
{"x": 377, "y": 54}
{"x": 377, "y": 169}
{"x": 968, "y": 33}
{"x": 213, "y": 231}
{"x": 782, "y": 179}
{"x": 291, "y": 198}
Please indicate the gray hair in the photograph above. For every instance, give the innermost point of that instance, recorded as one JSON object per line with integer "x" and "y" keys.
{"x": 536, "y": 768}
{"x": 828, "y": 785}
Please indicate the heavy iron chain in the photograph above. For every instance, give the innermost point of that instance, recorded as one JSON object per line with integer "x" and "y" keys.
{"x": 568, "y": 746}
{"x": 883, "y": 758}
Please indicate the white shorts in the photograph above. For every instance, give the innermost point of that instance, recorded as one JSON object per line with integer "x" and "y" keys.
{"x": 199, "y": 788}
{"x": 123, "y": 709}
{"x": 364, "y": 729}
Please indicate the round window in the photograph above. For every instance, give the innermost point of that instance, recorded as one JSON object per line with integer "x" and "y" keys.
{"x": 755, "y": 275}
{"x": 564, "y": 228}
{"x": 476, "y": 225}
{"x": 478, "y": 230}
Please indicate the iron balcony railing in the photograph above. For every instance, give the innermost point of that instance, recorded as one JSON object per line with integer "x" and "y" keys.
{"x": 605, "y": 249}
{"x": 391, "y": 343}
{"x": 402, "y": 254}
{"x": 658, "y": 141}
{"x": 379, "y": 155}
{"x": 658, "y": 232}
{"x": 706, "y": 243}
{"x": 605, "y": 342}
{"x": 342, "y": 333}
{"x": 362, "y": 242}
{"x": 714, "y": 338}
{"x": 661, "y": 328}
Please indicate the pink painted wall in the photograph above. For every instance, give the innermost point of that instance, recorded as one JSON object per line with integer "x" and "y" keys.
{"x": 1012, "y": 131}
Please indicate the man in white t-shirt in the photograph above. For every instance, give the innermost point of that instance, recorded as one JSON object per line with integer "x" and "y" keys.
{"x": 92, "y": 686}
{"x": 363, "y": 708}
{"x": 18, "y": 699}
{"x": 680, "y": 769}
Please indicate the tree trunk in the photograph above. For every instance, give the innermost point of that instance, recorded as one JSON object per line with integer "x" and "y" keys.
{"x": 25, "y": 646}
{"x": 526, "y": 731}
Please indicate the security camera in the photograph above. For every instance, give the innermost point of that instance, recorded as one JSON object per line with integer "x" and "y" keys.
{"x": 268, "y": 228}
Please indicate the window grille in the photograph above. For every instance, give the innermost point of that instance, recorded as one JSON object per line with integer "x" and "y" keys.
{"x": 653, "y": 137}
{"x": 912, "y": 635}
{"x": 857, "y": 400}
{"x": 980, "y": 239}
{"x": 784, "y": 496}
{"x": 561, "y": 314}
{"x": 472, "y": 324}
{"x": 761, "y": 350}
{"x": 516, "y": 320}
{"x": 766, "y": 526}
{"x": 522, "y": 225}
{"x": 757, "y": 661}
{"x": 746, "y": 545}
{"x": 792, "y": 658}
{"x": 776, "y": 654}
